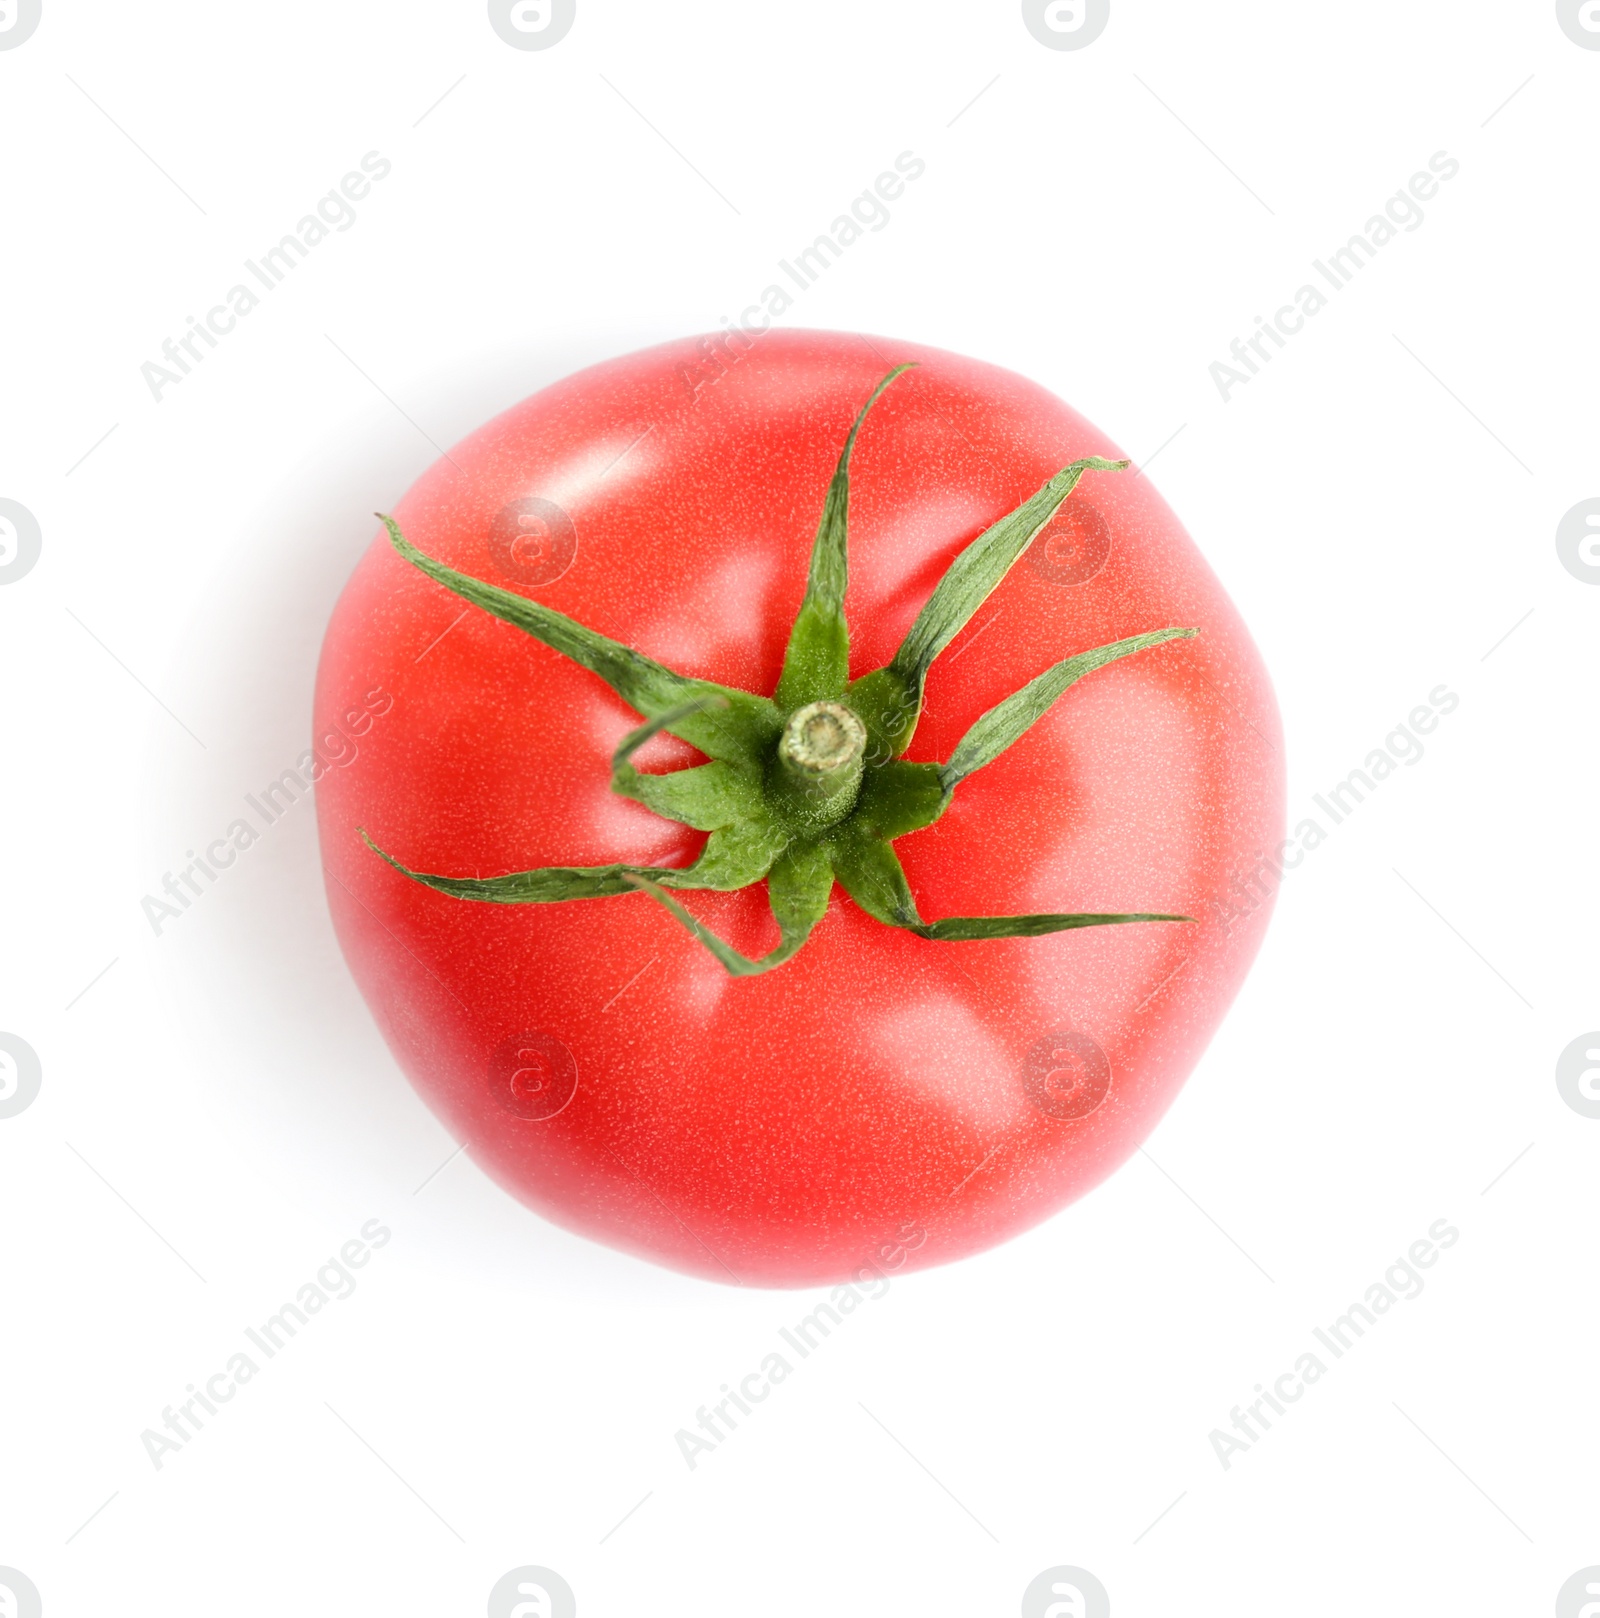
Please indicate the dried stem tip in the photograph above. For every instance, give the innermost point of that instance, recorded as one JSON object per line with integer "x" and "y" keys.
{"x": 822, "y": 739}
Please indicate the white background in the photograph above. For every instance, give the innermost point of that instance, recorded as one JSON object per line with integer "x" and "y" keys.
{"x": 1381, "y": 502}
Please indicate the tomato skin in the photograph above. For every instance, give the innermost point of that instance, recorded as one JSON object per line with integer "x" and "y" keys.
{"x": 880, "y": 1100}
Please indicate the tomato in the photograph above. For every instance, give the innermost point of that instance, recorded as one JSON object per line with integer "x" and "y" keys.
{"x": 888, "y": 1080}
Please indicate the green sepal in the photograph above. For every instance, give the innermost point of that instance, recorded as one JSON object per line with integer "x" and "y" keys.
{"x": 898, "y": 797}
{"x": 797, "y": 890}
{"x": 743, "y": 733}
{"x": 961, "y": 929}
{"x": 888, "y": 707}
{"x": 732, "y": 858}
{"x": 1008, "y": 721}
{"x": 893, "y": 695}
{"x": 705, "y": 796}
{"x": 871, "y": 873}
{"x": 550, "y": 884}
{"x": 816, "y": 665}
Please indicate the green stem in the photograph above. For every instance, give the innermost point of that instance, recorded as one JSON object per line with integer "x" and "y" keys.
{"x": 820, "y": 759}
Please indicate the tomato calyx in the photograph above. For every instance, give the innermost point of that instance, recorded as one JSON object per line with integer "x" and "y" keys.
{"x": 807, "y": 786}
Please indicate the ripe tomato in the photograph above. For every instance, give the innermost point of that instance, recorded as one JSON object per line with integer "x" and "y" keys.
{"x": 881, "y": 1098}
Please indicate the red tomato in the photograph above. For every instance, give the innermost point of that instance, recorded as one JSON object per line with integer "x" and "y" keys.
{"x": 882, "y": 1100}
